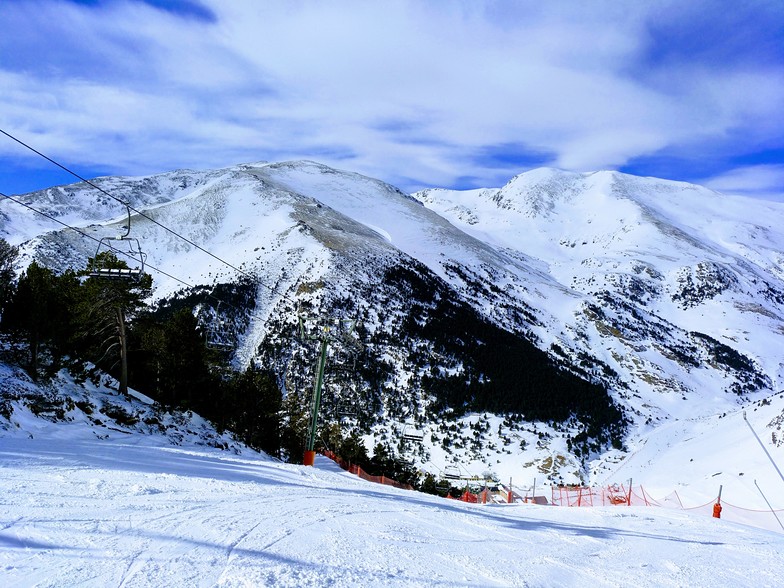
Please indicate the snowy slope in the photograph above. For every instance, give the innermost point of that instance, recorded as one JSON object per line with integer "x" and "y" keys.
{"x": 80, "y": 204}
{"x": 131, "y": 511}
{"x": 654, "y": 262}
{"x": 689, "y": 460}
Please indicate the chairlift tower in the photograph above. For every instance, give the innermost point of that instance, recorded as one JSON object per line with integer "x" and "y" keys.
{"x": 334, "y": 330}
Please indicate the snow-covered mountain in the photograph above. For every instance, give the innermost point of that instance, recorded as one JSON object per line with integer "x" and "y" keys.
{"x": 526, "y": 301}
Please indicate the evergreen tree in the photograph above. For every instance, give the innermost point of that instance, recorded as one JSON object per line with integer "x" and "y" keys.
{"x": 352, "y": 449}
{"x": 8, "y": 254}
{"x": 254, "y": 405}
{"x": 32, "y": 312}
{"x": 145, "y": 362}
{"x": 294, "y": 426}
{"x": 67, "y": 291}
{"x": 185, "y": 379}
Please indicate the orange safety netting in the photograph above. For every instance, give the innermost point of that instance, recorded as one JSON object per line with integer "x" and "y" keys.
{"x": 581, "y": 496}
{"x": 620, "y": 495}
{"x": 615, "y": 495}
{"x": 358, "y": 471}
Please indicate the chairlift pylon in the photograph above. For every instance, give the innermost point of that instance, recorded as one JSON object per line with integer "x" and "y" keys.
{"x": 132, "y": 249}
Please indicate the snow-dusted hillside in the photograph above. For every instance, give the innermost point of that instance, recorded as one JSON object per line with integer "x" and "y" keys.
{"x": 669, "y": 294}
{"x": 89, "y": 407}
{"x": 79, "y": 204}
{"x": 657, "y": 264}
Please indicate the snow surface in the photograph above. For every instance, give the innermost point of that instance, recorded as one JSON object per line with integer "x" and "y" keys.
{"x": 86, "y": 500}
{"x": 130, "y": 510}
{"x": 89, "y": 501}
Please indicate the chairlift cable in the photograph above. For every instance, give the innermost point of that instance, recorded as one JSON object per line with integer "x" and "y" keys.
{"x": 120, "y": 251}
{"x": 115, "y": 249}
{"x": 140, "y": 213}
{"x": 125, "y": 253}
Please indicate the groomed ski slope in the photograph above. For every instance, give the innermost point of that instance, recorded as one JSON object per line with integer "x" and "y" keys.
{"x": 129, "y": 510}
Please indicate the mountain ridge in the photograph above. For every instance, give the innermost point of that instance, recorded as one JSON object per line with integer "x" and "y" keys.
{"x": 624, "y": 286}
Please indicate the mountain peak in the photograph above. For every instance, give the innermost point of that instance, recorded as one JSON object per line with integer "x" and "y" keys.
{"x": 636, "y": 285}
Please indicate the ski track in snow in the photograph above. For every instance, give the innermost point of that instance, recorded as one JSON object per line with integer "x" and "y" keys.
{"x": 110, "y": 513}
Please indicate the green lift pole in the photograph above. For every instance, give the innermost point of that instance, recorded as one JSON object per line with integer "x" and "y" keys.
{"x": 325, "y": 337}
{"x": 310, "y": 453}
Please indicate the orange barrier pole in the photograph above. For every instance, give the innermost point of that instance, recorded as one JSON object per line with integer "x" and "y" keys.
{"x": 717, "y": 506}
{"x": 309, "y": 459}
{"x": 717, "y": 511}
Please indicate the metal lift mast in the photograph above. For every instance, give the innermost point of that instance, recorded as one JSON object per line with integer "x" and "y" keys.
{"x": 325, "y": 336}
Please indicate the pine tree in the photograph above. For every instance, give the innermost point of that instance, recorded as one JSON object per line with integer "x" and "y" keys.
{"x": 352, "y": 448}
{"x": 8, "y": 254}
{"x": 254, "y": 406}
{"x": 31, "y": 312}
{"x": 294, "y": 425}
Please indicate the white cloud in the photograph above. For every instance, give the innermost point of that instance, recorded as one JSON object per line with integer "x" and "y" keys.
{"x": 411, "y": 91}
{"x": 759, "y": 181}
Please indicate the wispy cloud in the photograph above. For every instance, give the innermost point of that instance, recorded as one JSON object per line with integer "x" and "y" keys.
{"x": 759, "y": 181}
{"x": 417, "y": 93}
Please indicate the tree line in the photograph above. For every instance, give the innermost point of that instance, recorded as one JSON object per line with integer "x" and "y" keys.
{"x": 83, "y": 323}
{"x": 500, "y": 370}
{"x": 77, "y": 321}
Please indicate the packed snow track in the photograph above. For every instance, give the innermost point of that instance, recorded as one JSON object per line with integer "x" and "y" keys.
{"x": 131, "y": 511}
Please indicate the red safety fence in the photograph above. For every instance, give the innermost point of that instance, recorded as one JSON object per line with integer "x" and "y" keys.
{"x": 466, "y": 497}
{"x": 582, "y": 496}
{"x": 620, "y": 495}
{"x": 615, "y": 495}
{"x": 358, "y": 471}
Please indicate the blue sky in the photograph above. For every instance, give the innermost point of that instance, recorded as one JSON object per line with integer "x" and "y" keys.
{"x": 418, "y": 93}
